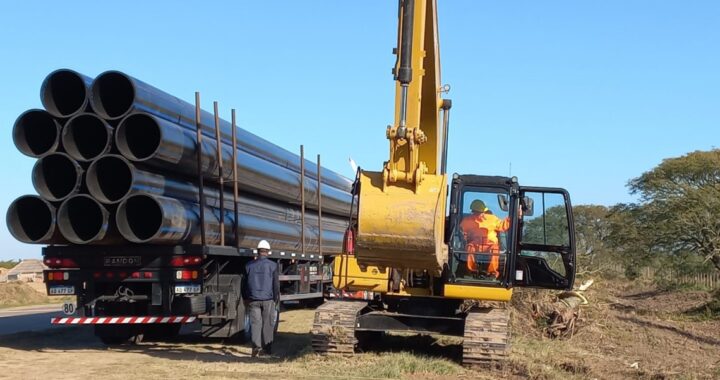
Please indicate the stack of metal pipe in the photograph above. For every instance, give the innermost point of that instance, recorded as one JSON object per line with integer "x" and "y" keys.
{"x": 119, "y": 162}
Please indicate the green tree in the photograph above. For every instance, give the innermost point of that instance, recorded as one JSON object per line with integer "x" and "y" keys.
{"x": 593, "y": 226}
{"x": 679, "y": 207}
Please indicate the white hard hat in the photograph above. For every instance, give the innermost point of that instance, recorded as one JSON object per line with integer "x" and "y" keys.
{"x": 263, "y": 244}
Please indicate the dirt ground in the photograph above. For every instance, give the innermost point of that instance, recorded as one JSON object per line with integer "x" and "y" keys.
{"x": 627, "y": 331}
{"x": 20, "y": 293}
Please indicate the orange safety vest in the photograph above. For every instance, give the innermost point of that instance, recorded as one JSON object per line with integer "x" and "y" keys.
{"x": 481, "y": 234}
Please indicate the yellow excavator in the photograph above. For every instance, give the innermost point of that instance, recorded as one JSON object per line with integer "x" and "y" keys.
{"x": 416, "y": 263}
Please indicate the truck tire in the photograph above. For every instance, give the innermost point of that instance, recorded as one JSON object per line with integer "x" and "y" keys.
{"x": 113, "y": 335}
{"x": 162, "y": 331}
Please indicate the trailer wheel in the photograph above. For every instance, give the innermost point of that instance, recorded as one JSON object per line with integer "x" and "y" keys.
{"x": 163, "y": 331}
{"x": 113, "y": 335}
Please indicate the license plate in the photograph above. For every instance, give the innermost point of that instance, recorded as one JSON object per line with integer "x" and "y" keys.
{"x": 122, "y": 261}
{"x": 61, "y": 290}
{"x": 187, "y": 289}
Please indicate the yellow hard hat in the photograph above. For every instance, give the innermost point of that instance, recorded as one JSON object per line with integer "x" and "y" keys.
{"x": 478, "y": 206}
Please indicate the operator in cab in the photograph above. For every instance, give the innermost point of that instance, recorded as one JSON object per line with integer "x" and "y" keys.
{"x": 481, "y": 230}
{"x": 262, "y": 292}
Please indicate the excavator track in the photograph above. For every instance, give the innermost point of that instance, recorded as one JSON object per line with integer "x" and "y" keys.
{"x": 333, "y": 330}
{"x": 487, "y": 336}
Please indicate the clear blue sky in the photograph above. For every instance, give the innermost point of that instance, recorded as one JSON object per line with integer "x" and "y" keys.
{"x": 582, "y": 95}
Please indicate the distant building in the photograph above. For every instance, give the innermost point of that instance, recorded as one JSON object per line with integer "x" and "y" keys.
{"x": 3, "y": 275}
{"x": 27, "y": 270}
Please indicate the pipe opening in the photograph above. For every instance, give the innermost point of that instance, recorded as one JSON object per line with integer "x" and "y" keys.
{"x": 112, "y": 95}
{"x": 109, "y": 179}
{"x": 30, "y": 219}
{"x": 138, "y": 137}
{"x": 139, "y": 218}
{"x": 56, "y": 176}
{"x": 81, "y": 219}
{"x": 36, "y": 133}
{"x": 64, "y": 93}
{"x": 86, "y": 137}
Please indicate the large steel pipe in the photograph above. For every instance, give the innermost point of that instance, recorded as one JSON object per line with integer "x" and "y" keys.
{"x": 57, "y": 176}
{"x": 154, "y": 141}
{"x": 65, "y": 93}
{"x": 115, "y": 95}
{"x": 83, "y": 220}
{"x": 86, "y": 137}
{"x": 152, "y": 219}
{"x": 31, "y": 219}
{"x": 36, "y": 133}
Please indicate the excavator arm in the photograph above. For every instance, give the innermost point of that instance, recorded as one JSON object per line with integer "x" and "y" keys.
{"x": 401, "y": 215}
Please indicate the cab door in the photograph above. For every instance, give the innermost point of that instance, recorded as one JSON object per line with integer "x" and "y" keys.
{"x": 545, "y": 250}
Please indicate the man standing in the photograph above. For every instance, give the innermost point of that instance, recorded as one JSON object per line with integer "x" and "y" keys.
{"x": 262, "y": 290}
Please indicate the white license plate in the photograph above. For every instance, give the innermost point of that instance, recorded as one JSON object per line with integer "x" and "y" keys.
{"x": 187, "y": 289}
{"x": 61, "y": 290}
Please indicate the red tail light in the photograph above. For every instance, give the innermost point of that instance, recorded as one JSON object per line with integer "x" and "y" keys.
{"x": 58, "y": 262}
{"x": 186, "y": 275}
{"x": 135, "y": 275}
{"x": 349, "y": 241}
{"x": 181, "y": 261}
{"x": 58, "y": 276}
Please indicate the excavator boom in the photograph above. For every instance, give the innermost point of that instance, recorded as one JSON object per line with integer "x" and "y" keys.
{"x": 401, "y": 214}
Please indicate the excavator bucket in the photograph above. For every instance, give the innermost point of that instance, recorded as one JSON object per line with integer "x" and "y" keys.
{"x": 401, "y": 226}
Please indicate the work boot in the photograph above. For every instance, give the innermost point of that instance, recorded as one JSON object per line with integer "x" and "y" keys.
{"x": 255, "y": 352}
{"x": 268, "y": 349}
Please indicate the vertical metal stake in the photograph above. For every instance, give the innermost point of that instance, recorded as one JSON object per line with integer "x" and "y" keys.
{"x": 199, "y": 149}
{"x": 221, "y": 180}
{"x": 319, "y": 203}
{"x": 302, "y": 198}
{"x": 235, "y": 181}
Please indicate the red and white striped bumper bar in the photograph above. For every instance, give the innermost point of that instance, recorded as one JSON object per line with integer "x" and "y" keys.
{"x": 119, "y": 320}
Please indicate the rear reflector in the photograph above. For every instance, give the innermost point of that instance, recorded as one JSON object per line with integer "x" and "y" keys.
{"x": 180, "y": 261}
{"x": 57, "y": 262}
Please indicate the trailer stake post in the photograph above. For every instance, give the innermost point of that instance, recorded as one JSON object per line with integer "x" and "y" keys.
{"x": 302, "y": 199}
{"x": 235, "y": 180}
{"x": 198, "y": 127}
{"x": 221, "y": 179}
{"x": 319, "y": 203}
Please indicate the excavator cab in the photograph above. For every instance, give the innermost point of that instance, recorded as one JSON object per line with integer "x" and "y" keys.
{"x": 502, "y": 234}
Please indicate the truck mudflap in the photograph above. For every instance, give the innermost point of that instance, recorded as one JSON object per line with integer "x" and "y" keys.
{"x": 121, "y": 320}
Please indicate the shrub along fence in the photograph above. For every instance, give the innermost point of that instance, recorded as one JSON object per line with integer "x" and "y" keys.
{"x": 709, "y": 280}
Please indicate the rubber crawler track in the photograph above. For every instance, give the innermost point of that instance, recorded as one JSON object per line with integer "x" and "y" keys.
{"x": 487, "y": 337}
{"x": 333, "y": 330}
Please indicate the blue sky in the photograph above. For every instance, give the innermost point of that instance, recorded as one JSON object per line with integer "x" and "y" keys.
{"x": 581, "y": 95}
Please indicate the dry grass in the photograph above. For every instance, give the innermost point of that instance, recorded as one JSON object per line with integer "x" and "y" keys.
{"x": 20, "y": 294}
{"x": 13, "y": 294}
{"x": 622, "y": 326}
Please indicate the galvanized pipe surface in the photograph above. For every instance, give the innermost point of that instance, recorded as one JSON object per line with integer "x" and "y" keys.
{"x": 57, "y": 176}
{"x": 83, "y": 220}
{"x": 115, "y": 95}
{"x": 113, "y": 179}
{"x": 65, "y": 93}
{"x": 31, "y": 219}
{"x": 36, "y": 133}
{"x": 153, "y": 219}
{"x": 157, "y": 142}
{"x": 86, "y": 137}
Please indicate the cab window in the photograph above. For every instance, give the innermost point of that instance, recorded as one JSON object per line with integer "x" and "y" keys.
{"x": 480, "y": 236}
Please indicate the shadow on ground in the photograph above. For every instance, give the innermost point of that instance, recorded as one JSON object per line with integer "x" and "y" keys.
{"x": 288, "y": 346}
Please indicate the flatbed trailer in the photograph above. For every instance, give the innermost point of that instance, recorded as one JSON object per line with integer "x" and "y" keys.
{"x": 131, "y": 291}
